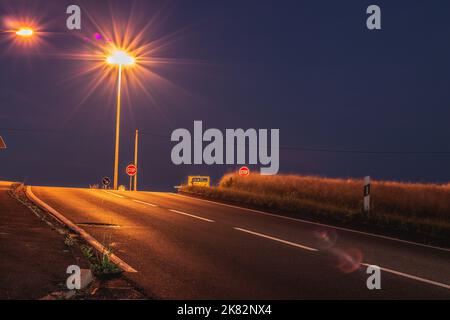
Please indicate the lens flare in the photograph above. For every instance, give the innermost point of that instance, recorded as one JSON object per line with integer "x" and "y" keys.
{"x": 326, "y": 239}
{"x": 349, "y": 260}
{"x": 128, "y": 40}
{"x": 23, "y": 35}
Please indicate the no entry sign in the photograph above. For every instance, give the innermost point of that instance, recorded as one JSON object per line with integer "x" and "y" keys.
{"x": 244, "y": 171}
{"x": 131, "y": 170}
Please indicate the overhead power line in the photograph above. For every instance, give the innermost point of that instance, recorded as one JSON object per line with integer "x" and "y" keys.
{"x": 288, "y": 148}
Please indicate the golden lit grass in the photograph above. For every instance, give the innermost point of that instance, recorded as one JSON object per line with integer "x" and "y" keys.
{"x": 422, "y": 210}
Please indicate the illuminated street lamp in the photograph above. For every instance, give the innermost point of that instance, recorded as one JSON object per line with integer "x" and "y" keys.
{"x": 25, "y": 32}
{"x": 23, "y": 36}
{"x": 121, "y": 59}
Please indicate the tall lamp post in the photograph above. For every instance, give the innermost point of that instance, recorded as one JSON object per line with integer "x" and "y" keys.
{"x": 121, "y": 59}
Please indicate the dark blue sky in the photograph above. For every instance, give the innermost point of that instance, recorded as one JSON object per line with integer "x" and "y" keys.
{"x": 309, "y": 68}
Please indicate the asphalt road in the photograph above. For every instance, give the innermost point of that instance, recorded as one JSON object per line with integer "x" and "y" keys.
{"x": 187, "y": 248}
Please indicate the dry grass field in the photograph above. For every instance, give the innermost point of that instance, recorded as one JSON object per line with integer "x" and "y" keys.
{"x": 420, "y": 211}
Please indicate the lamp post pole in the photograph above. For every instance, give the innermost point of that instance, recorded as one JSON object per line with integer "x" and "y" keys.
{"x": 118, "y": 58}
{"x": 116, "y": 154}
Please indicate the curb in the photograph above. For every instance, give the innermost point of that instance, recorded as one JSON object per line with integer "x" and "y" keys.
{"x": 86, "y": 236}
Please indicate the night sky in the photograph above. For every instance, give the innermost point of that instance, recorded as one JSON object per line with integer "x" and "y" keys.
{"x": 309, "y": 68}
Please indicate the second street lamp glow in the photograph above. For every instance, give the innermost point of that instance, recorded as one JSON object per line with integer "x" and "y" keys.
{"x": 25, "y": 32}
{"x": 120, "y": 58}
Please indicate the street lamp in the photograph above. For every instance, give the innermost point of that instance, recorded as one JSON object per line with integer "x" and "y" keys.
{"x": 24, "y": 36}
{"x": 25, "y": 32}
{"x": 121, "y": 59}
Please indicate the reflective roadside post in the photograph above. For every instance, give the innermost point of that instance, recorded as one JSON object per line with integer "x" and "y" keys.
{"x": 367, "y": 195}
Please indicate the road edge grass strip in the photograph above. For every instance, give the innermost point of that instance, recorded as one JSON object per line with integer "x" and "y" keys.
{"x": 17, "y": 192}
{"x": 103, "y": 284}
{"x": 86, "y": 236}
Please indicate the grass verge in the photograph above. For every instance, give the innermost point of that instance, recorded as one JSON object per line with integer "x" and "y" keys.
{"x": 109, "y": 283}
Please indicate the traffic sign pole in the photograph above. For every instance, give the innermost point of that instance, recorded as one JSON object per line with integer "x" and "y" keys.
{"x": 135, "y": 159}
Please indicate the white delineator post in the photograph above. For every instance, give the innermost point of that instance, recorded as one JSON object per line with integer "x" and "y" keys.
{"x": 367, "y": 194}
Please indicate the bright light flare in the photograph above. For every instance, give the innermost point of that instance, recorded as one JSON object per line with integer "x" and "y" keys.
{"x": 113, "y": 43}
{"x": 25, "y": 32}
{"x": 121, "y": 58}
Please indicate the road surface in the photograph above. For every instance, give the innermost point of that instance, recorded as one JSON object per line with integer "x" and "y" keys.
{"x": 187, "y": 248}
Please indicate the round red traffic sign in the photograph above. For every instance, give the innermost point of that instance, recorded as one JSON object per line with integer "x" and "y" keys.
{"x": 131, "y": 170}
{"x": 244, "y": 171}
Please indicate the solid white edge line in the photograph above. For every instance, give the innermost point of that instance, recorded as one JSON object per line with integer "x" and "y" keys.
{"x": 276, "y": 239}
{"x": 86, "y": 236}
{"x": 398, "y": 273}
{"x": 315, "y": 223}
{"x": 190, "y": 215}
{"x": 409, "y": 276}
{"x": 117, "y": 195}
{"x": 143, "y": 202}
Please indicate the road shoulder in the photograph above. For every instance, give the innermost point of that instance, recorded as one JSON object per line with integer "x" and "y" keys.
{"x": 36, "y": 251}
{"x": 34, "y": 256}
